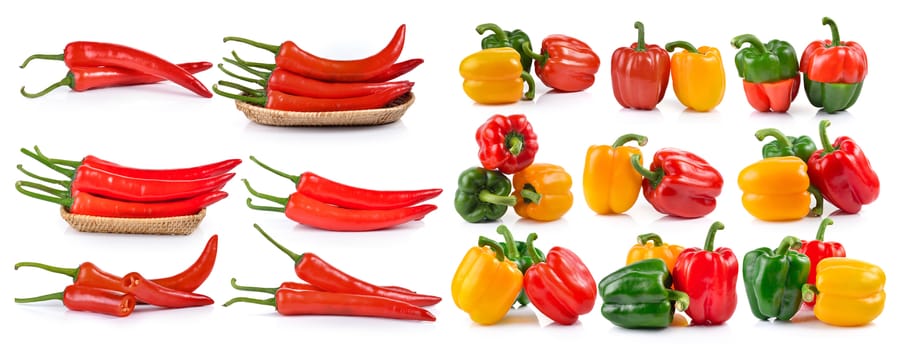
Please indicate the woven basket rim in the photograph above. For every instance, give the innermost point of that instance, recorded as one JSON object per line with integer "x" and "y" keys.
{"x": 174, "y": 225}
{"x": 362, "y": 117}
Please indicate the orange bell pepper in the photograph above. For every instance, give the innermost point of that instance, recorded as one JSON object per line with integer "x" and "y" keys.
{"x": 848, "y": 292}
{"x": 651, "y": 246}
{"x": 495, "y": 76}
{"x": 776, "y": 189}
{"x": 698, "y": 76}
{"x": 543, "y": 192}
{"x": 611, "y": 184}
{"x": 486, "y": 284}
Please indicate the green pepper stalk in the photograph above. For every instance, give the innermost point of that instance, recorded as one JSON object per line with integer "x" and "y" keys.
{"x": 483, "y": 195}
{"x": 512, "y": 38}
{"x": 639, "y": 295}
{"x": 774, "y": 279}
{"x": 641, "y": 46}
{"x": 517, "y": 252}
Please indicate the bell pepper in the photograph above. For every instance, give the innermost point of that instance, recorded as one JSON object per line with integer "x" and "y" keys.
{"x": 774, "y": 280}
{"x": 561, "y": 286}
{"x": 777, "y": 189}
{"x": 564, "y": 63}
{"x": 680, "y": 183}
{"x": 506, "y": 143}
{"x": 611, "y": 185}
{"x": 850, "y": 292}
{"x": 842, "y": 173}
{"x": 483, "y": 195}
{"x": 819, "y": 249}
{"x": 486, "y": 284}
{"x": 798, "y": 146}
{"x": 506, "y": 38}
{"x": 698, "y": 76}
{"x": 651, "y": 246}
{"x": 833, "y": 71}
{"x": 543, "y": 192}
{"x": 495, "y": 76}
{"x": 518, "y": 252}
{"x": 708, "y": 276}
{"x": 770, "y": 73}
{"x": 639, "y": 296}
{"x": 640, "y": 73}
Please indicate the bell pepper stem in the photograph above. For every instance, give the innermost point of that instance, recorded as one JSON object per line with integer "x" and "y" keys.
{"x": 539, "y": 58}
{"x": 530, "y": 195}
{"x": 777, "y": 134}
{"x": 809, "y": 292}
{"x": 276, "y": 244}
{"x": 835, "y": 37}
{"x": 294, "y": 178}
{"x": 55, "y": 269}
{"x": 753, "y": 41}
{"x": 66, "y": 81}
{"x": 260, "y": 82}
{"x": 252, "y": 289}
{"x": 486, "y": 196}
{"x": 60, "y": 198}
{"x": 817, "y": 210}
{"x": 820, "y": 235}
{"x": 654, "y": 177}
{"x": 712, "y": 232}
{"x": 788, "y": 243}
{"x": 685, "y": 45}
{"x": 681, "y": 299}
{"x": 274, "y": 199}
{"x": 247, "y": 90}
{"x": 531, "y": 86}
{"x": 487, "y": 242}
{"x": 640, "y": 27}
{"x": 47, "y": 162}
{"x": 827, "y": 147}
{"x": 531, "y": 250}
{"x": 268, "y": 302}
{"x": 642, "y": 140}
{"x": 272, "y": 48}
{"x": 46, "y": 297}
{"x": 53, "y": 57}
{"x": 500, "y": 34}
{"x": 511, "y": 245}
{"x": 256, "y": 100}
{"x": 63, "y": 183}
{"x": 650, "y": 237}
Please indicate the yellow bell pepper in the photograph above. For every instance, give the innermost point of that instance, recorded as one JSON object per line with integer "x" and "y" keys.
{"x": 776, "y": 189}
{"x": 611, "y": 184}
{"x": 543, "y": 192}
{"x": 495, "y": 76}
{"x": 697, "y": 75}
{"x": 486, "y": 284}
{"x": 848, "y": 292}
{"x": 650, "y": 246}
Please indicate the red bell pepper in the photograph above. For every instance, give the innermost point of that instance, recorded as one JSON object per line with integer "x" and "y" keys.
{"x": 708, "y": 276}
{"x": 819, "y": 249}
{"x": 833, "y": 71}
{"x": 842, "y": 173}
{"x": 640, "y": 73}
{"x": 506, "y": 143}
{"x": 562, "y": 287}
{"x": 679, "y": 183}
{"x": 565, "y": 63}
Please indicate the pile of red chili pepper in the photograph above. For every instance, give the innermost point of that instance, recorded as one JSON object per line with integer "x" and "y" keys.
{"x": 329, "y": 205}
{"x": 96, "y": 290}
{"x": 96, "y": 65}
{"x": 327, "y": 290}
{"x": 299, "y": 81}
{"x": 97, "y": 187}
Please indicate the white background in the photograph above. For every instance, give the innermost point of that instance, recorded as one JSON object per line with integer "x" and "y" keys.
{"x": 166, "y": 126}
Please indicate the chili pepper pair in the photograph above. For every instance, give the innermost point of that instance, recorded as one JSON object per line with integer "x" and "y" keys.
{"x": 99, "y": 65}
{"x": 330, "y": 291}
{"x": 328, "y": 205}
{"x": 95, "y": 290}
{"x": 102, "y": 188}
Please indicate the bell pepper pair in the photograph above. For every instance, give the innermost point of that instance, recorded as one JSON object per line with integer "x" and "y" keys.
{"x": 679, "y": 183}
{"x": 833, "y": 71}
{"x": 770, "y": 73}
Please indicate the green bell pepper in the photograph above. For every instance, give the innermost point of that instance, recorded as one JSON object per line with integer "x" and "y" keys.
{"x": 511, "y": 38}
{"x": 516, "y": 251}
{"x": 483, "y": 195}
{"x": 639, "y": 295}
{"x": 774, "y": 279}
{"x": 832, "y": 97}
{"x": 784, "y": 146}
{"x": 765, "y": 63}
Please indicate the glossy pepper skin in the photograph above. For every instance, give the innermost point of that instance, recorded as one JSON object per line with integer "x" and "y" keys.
{"x": 848, "y": 292}
{"x": 506, "y": 38}
{"x": 640, "y": 73}
{"x": 520, "y": 254}
{"x": 818, "y": 250}
{"x": 565, "y": 63}
{"x": 842, "y": 173}
{"x": 774, "y": 279}
{"x": 506, "y": 143}
{"x": 770, "y": 73}
{"x": 611, "y": 184}
{"x": 680, "y": 183}
{"x": 561, "y": 286}
{"x": 833, "y": 71}
{"x": 708, "y": 276}
{"x": 651, "y": 246}
{"x": 496, "y": 76}
{"x": 543, "y": 192}
{"x": 698, "y": 76}
{"x": 798, "y": 146}
{"x": 483, "y": 195}
{"x": 776, "y": 189}
{"x": 639, "y": 296}
{"x": 486, "y": 284}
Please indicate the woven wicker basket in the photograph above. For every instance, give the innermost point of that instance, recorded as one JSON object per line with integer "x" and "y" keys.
{"x": 177, "y": 225}
{"x": 393, "y": 112}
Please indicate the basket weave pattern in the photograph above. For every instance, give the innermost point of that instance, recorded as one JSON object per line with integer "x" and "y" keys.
{"x": 393, "y": 112}
{"x": 178, "y": 225}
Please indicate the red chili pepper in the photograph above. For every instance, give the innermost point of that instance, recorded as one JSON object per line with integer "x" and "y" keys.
{"x": 301, "y": 286}
{"x": 94, "y": 54}
{"x": 314, "y": 270}
{"x": 97, "y": 77}
{"x": 312, "y": 212}
{"x": 291, "y": 83}
{"x": 565, "y": 63}
{"x": 293, "y": 302}
{"x": 345, "y": 196}
{"x": 561, "y": 287}
{"x": 155, "y": 294}
{"x": 287, "y": 102}
{"x": 640, "y": 73}
{"x": 90, "y": 275}
{"x": 196, "y": 172}
{"x": 293, "y": 58}
{"x": 506, "y": 143}
{"x": 680, "y": 183}
{"x": 708, "y": 276}
{"x": 90, "y": 299}
{"x": 819, "y": 249}
{"x": 842, "y": 173}
{"x": 396, "y": 70}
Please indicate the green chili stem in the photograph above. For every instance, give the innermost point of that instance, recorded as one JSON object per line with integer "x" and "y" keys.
{"x": 835, "y": 38}
{"x": 528, "y": 50}
{"x": 817, "y": 210}
{"x": 66, "y": 81}
{"x": 712, "y": 232}
{"x": 53, "y": 57}
{"x": 681, "y": 299}
{"x": 531, "y": 86}
{"x": 487, "y": 196}
{"x": 70, "y": 163}
{"x": 789, "y": 242}
{"x": 650, "y": 237}
{"x": 55, "y": 269}
{"x": 272, "y": 48}
{"x": 499, "y": 33}
{"x": 260, "y": 82}
{"x": 250, "y": 203}
{"x": 288, "y": 252}
{"x": 259, "y": 73}
{"x": 256, "y": 100}
{"x": 531, "y": 250}
{"x": 642, "y": 140}
{"x": 62, "y": 199}
{"x": 654, "y": 177}
{"x": 640, "y": 27}
{"x": 294, "y": 178}
{"x": 268, "y": 302}
{"x": 809, "y": 292}
{"x": 511, "y": 245}
{"x": 753, "y": 41}
{"x": 52, "y": 296}
{"x": 826, "y": 145}
{"x": 252, "y": 289}
{"x": 267, "y": 66}
{"x": 685, "y": 45}
{"x": 530, "y": 195}
{"x": 820, "y": 235}
{"x": 65, "y": 184}
{"x": 274, "y": 199}
{"x": 242, "y": 88}
{"x": 487, "y": 242}
{"x": 47, "y": 162}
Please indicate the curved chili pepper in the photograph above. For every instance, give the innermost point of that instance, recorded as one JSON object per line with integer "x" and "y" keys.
{"x": 332, "y": 192}
{"x": 285, "y": 81}
{"x": 155, "y": 294}
{"x": 281, "y": 101}
{"x": 93, "y": 54}
{"x": 196, "y": 172}
{"x": 97, "y": 77}
{"x": 293, "y": 58}
{"x": 91, "y": 299}
{"x": 293, "y": 302}
{"x": 312, "y": 269}
{"x": 312, "y": 212}
{"x": 299, "y": 286}
{"x": 396, "y": 70}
